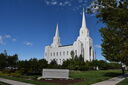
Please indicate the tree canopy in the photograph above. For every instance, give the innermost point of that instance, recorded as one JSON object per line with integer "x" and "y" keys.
{"x": 8, "y": 60}
{"x": 114, "y": 14}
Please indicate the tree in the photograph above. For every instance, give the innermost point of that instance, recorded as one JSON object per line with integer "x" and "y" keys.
{"x": 24, "y": 67}
{"x": 81, "y": 58}
{"x": 43, "y": 63}
{"x": 66, "y": 63}
{"x": 76, "y": 63}
{"x": 7, "y": 60}
{"x": 114, "y": 14}
{"x": 34, "y": 66}
{"x": 12, "y": 60}
{"x": 3, "y": 63}
{"x": 53, "y": 64}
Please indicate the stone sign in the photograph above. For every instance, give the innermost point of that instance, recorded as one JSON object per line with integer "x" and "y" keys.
{"x": 55, "y": 73}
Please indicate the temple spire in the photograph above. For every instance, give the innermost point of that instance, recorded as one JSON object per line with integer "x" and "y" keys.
{"x": 57, "y": 31}
{"x": 56, "y": 39}
{"x": 84, "y": 29}
{"x": 83, "y": 20}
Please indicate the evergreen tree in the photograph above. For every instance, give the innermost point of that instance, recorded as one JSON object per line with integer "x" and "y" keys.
{"x": 114, "y": 14}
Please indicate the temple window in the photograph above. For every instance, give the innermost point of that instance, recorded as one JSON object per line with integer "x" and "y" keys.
{"x": 54, "y": 54}
{"x": 60, "y": 53}
{"x": 57, "y": 54}
{"x": 63, "y": 53}
{"x": 67, "y": 52}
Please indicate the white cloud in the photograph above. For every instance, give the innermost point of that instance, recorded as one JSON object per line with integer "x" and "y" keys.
{"x": 75, "y": 4}
{"x": 54, "y": 3}
{"x": 58, "y": 2}
{"x": 5, "y": 37}
{"x": 61, "y": 4}
{"x": 1, "y": 40}
{"x": 13, "y": 39}
{"x": 98, "y": 46}
{"x": 28, "y": 43}
{"x": 80, "y": 1}
{"x": 47, "y": 2}
{"x": 67, "y": 2}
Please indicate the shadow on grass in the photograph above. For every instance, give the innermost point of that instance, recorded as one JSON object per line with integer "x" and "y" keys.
{"x": 112, "y": 74}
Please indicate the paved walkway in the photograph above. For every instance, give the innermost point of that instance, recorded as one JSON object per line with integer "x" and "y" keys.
{"x": 112, "y": 81}
{"x": 12, "y": 82}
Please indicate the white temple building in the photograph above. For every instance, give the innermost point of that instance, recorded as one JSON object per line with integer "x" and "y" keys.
{"x": 82, "y": 46}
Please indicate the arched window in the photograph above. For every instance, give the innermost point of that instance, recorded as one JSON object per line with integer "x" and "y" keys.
{"x": 67, "y": 52}
{"x": 64, "y": 53}
{"x": 54, "y": 53}
{"x": 60, "y": 53}
{"x": 57, "y": 53}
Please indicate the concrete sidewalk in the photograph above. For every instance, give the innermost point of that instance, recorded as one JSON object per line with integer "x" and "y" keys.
{"x": 112, "y": 81}
{"x": 12, "y": 82}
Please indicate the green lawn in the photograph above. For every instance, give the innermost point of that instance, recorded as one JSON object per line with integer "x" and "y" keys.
{"x": 27, "y": 81}
{"x": 94, "y": 76}
{"x": 89, "y": 77}
{"x": 124, "y": 82}
{"x": 2, "y": 83}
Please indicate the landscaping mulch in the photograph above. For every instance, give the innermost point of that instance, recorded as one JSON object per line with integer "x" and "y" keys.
{"x": 62, "y": 81}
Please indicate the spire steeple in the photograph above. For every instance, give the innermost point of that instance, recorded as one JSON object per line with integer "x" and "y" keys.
{"x": 56, "y": 39}
{"x": 83, "y": 20}
{"x": 83, "y": 30}
{"x": 57, "y": 31}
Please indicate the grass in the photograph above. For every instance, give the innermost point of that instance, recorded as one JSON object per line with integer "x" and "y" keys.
{"x": 2, "y": 83}
{"x": 94, "y": 76}
{"x": 26, "y": 80}
{"x": 22, "y": 78}
{"x": 90, "y": 77}
{"x": 124, "y": 82}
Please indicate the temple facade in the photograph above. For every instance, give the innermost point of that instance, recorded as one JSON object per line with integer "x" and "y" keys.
{"x": 82, "y": 46}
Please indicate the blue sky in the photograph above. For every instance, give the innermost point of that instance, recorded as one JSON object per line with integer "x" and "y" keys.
{"x": 27, "y": 26}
